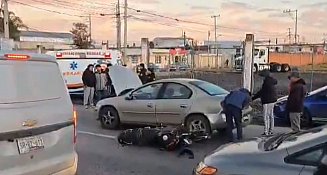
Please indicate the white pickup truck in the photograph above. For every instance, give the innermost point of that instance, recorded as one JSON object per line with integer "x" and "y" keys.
{"x": 261, "y": 62}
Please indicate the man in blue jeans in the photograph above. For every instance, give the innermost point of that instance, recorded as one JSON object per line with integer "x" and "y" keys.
{"x": 233, "y": 105}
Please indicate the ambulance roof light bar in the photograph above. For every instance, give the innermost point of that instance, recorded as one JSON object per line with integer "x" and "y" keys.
{"x": 19, "y": 57}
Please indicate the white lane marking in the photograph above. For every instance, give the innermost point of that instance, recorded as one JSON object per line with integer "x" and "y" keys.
{"x": 98, "y": 135}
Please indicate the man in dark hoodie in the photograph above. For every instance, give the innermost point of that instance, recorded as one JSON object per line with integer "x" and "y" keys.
{"x": 151, "y": 75}
{"x": 268, "y": 96}
{"x": 88, "y": 79}
{"x": 109, "y": 83}
{"x": 295, "y": 101}
{"x": 232, "y": 105}
{"x": 142, "y": 74}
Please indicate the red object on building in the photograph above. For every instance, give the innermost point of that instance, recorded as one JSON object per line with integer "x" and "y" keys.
{"x": 178, "y": 51}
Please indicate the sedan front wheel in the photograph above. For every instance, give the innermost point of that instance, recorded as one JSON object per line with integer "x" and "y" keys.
{"x": 109, "y": 118}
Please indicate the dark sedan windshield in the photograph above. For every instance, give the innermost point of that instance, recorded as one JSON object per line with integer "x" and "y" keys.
{"x": 209, "y": 88}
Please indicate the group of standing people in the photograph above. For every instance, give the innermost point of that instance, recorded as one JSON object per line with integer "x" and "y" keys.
{"x": 237, "y": 100}
{"x": 146, "y": 75}
{"x": 97, "y": 84}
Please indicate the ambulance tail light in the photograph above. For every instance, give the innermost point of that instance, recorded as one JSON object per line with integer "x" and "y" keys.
{"x": 75, "y": 117}
{"x": 18, "y": 57}
{"x": 107, "y": 56}
{"x": 59, "y": 55}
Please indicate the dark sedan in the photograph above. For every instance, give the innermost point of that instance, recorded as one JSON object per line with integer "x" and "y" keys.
{"x": 315, "y": 108}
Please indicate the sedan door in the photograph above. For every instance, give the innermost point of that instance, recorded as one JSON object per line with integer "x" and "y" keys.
{"x": 140, "y": 106}
{"x": 174, "y": 103}
{"x": 307, "y": 159}
{"x": 318, "y": 106}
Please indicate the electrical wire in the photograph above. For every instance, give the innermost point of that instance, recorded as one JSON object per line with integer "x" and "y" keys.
{"x": 44, "y": 9}
{"x": 165, "y": 24}
{"x": 70, "y": 6}
{"x": 193, "y": 22}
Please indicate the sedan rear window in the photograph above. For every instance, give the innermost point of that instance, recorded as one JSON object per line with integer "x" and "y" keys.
{"x": 209, "y": 88}
{"x": 29, "y": 81}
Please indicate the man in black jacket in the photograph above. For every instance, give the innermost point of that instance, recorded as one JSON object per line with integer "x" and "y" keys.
{"x": 142, "y": 74}
{"x": 295, "y": 101}
{"x": 88, "y": 79}
{"x": 151, "y": 75}
{"x": 268, "y": 96}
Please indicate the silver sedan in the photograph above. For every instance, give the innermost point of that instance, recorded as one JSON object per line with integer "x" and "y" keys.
{"x": 284, "y": 154}
{"x": 191, "y": 102}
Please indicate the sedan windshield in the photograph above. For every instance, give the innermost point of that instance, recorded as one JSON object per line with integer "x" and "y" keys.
{"x": 209, "y": 88}
{"x": 274, "y": 142}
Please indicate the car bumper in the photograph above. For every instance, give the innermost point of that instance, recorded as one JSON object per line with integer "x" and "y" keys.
{"x": 70, "y": 170}
{"x": 218, "y": 121}
{"x": 280, "y": 113}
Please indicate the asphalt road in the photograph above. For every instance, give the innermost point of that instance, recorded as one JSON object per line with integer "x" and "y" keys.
{"x": 100, "y": 154}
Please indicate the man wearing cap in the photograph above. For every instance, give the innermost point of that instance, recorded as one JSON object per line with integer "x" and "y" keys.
{"x": 295, "y": 101}
{"x": 268, "y": 96}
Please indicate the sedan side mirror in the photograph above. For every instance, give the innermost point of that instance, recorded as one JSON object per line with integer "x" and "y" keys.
{"x": 129, "y": 97}
{"x": 322, "y": 168}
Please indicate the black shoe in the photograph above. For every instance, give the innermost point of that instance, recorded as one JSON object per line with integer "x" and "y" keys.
{"x": 264, "y": 134}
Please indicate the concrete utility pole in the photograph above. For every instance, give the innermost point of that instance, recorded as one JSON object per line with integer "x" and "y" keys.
{"x": 118, "y": 26}
{"x": 314, "y": 51}
{"x": 184, "y": 39}
{"x": 208, "y": 48}
{"x": 289, "y": 11}
{"x": 216, "y": 44}
{"x": 125, "y": 33}
{"x": 289, "y": 35}
{"x": 90, "y": 28}
{"x": 4, "y": 4}
{"x": 248, "y": 62}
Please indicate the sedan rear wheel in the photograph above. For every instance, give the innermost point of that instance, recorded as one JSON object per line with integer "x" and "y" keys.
{"x": 109, "y": 118}
{"x": 198, "y": 123}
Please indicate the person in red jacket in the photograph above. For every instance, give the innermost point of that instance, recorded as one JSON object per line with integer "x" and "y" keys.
{"x": 295, "y": 101}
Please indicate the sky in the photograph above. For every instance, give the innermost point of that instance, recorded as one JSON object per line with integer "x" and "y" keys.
{"x": 264, "y": 18}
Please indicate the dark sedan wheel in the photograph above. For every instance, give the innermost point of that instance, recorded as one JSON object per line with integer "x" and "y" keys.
{"x": 109, "y": 118}
{"x": 198, "y": 123}
{"x": 306, "y": 119}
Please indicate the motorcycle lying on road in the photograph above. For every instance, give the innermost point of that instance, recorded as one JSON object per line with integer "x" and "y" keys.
{"x": 165, "y": 138}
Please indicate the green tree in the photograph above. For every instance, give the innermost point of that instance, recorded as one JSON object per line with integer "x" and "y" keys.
{"x": 81, "y": 35}
{"x": 15, "y": 25}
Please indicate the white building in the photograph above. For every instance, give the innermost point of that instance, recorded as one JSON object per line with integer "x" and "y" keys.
{"x": 31, "y": 40}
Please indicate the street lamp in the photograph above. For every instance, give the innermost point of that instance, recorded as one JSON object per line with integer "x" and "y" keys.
{"x": 289, "y": 11}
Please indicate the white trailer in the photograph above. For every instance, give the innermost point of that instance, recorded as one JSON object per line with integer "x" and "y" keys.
{"x": 261, "y": 62}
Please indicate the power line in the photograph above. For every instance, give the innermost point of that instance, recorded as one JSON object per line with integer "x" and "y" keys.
{"x": 192, "y": 22}
{"x": 40, "y": 8}
{"x": 82, "y": 6}
{"x": 164, "y": 24}
{"x": 99, "y": 3}
{"x": 69, "y": 6}
{"x": 58, "y": 5}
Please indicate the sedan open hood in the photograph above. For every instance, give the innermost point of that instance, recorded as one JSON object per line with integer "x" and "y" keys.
{"x": 308, "y": 95}
{"x": 123, "y": 78}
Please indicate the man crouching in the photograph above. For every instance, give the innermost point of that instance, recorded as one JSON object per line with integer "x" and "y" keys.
{"x": 233, "y": 105}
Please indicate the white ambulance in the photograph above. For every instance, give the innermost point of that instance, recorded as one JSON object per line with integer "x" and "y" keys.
{"x": 72, "y": 64}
